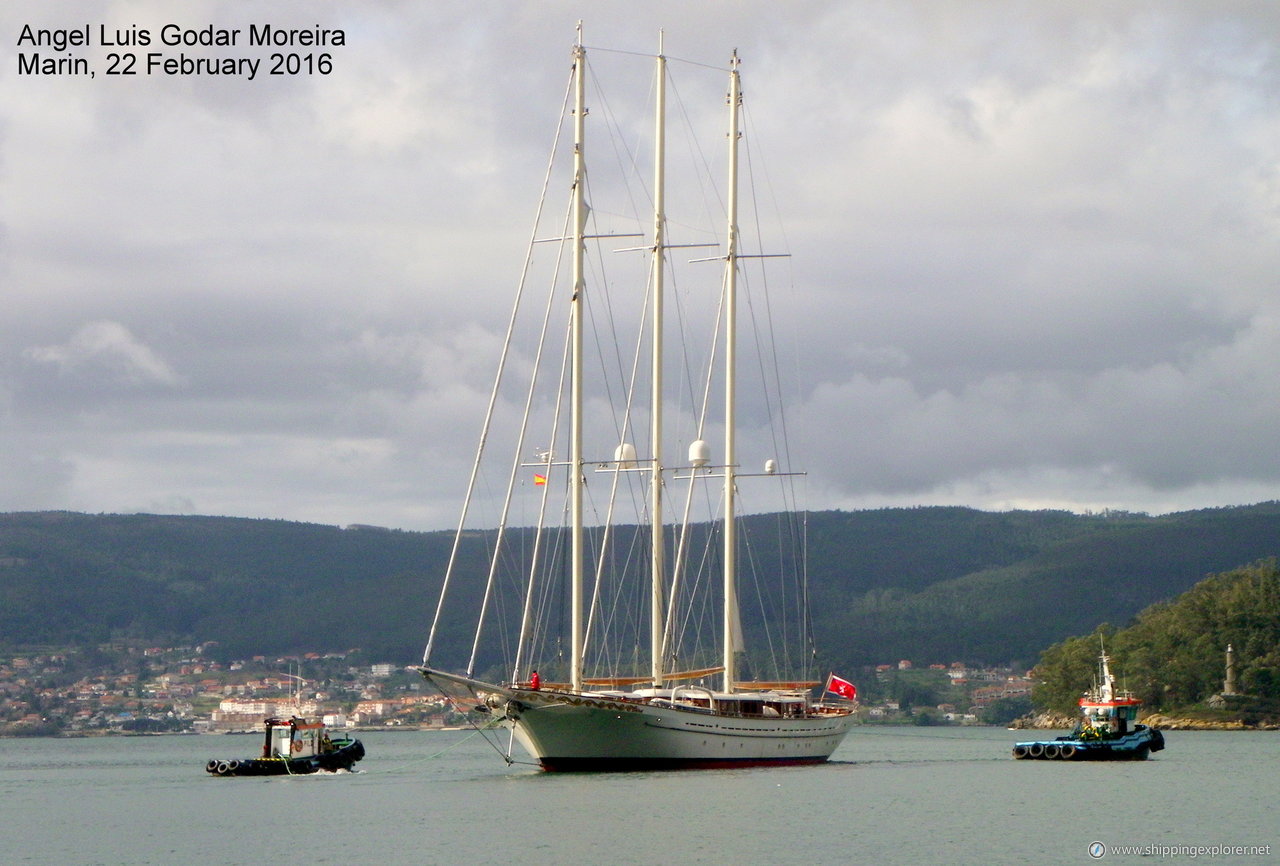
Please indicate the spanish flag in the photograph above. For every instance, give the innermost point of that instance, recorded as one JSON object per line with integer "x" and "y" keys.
{"x": 539, "y": 479}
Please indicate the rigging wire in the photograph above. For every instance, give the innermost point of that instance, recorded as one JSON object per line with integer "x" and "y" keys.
{"x": 771, "y": 375}
{"x": 600, "y": 50}
{"x": 491, "y": 725}
{"x": 516, "y": 464}
{"x": 493, "y": 398}
{"x": 688, "y": 575}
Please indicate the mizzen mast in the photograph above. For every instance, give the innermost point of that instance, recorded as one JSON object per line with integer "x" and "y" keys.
{"x": 657, "y": 614}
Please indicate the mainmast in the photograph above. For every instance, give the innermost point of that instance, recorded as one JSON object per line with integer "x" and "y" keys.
{"x": 730, "y": 389}
{"x": 656, "y": 612}
{"x": 576, "y": 478}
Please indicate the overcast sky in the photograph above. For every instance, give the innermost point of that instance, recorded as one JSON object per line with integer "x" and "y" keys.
{"x": 1035, "y": 247}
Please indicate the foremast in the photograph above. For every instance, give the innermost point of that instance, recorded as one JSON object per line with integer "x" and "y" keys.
{"x": 731, "y": 637}
{"x": 657, "y": 613}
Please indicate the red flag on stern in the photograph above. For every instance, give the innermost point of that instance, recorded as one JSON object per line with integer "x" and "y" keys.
{"x": 539, "y": 479}
{"x": 843, "y": 688}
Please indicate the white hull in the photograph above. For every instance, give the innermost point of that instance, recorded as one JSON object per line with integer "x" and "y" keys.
{"x": 567, "y": 731}
{"x": 586, "y": 733}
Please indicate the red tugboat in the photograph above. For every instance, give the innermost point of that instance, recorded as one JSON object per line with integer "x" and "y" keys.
{"x": 293, "y": 747}
{"x": 1107, "y": 730}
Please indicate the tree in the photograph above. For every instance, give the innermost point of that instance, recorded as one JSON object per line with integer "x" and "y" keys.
{"x": 1173, "y": 655}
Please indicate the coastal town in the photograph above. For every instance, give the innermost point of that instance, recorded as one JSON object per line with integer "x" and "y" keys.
{"x": 123, "y": 688}
{"x": 130, "y": 689}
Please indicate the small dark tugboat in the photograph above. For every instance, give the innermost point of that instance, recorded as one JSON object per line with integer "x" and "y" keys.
{"x": 1106, "y": 730}
{"x": 294, "y": 747}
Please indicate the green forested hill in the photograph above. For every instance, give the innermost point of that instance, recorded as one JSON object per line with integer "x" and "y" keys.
{"x": 1070, "y": 573}
{"x": 928, "y": 584}
{"x": 252, "y": 585}
{"x": 1173, "y": 655}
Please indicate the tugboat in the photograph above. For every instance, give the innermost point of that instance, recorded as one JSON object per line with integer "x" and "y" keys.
{"x": 293, "y": 747}
{"x": 1106, "y": 730}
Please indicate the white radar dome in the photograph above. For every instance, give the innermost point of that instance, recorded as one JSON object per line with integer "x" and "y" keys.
{"x": 625, "y": 456}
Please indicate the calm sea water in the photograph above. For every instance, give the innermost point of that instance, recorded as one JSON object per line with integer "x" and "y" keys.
{"x": 891, "y": 795}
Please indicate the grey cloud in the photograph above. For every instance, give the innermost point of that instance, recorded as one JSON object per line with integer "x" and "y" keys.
{"x": 110, "y": 350}
{"x": 1034, "y": 252}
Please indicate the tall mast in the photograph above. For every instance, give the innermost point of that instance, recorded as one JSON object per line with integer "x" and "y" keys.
{"x": 656, "y": 613}
{"x": 730, "y": 388}
{"x": 576, "y": 478}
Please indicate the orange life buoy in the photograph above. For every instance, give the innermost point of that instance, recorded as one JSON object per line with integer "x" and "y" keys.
{"x": 296, "y": 745}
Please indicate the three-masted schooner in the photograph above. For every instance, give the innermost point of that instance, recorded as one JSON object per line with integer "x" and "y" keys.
{"x": 660, "y": 717}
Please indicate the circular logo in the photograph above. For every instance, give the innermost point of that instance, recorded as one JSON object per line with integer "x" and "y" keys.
{"x": 1097, "y": 850}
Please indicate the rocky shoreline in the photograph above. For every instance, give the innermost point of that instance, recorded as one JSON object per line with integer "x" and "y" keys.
{"x": 1043, "y": 722}
{"x": 1061, "y": 721}
{"x": 1166, "y": 723}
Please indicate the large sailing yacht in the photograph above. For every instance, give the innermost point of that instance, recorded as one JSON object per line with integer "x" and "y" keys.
{"x": 638, "y": 709}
